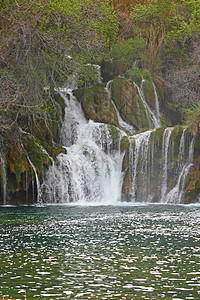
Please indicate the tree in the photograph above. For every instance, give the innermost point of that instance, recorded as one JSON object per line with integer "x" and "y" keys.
{"x": 41, "y": 43}
{"x": 167, "y": 24}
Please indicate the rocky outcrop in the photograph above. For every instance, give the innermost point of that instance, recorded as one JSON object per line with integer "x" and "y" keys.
{"x": 23, "y": 159}
{"x": 129, "y": 103}
{"x": 97, "y": 105}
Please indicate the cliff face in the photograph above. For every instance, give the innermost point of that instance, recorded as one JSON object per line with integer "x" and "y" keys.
{"x": 23, "y": 161}
{"x": 155, "y": 160}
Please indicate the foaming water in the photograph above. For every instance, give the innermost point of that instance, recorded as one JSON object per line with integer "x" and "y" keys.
{"x": 139, "y": 251}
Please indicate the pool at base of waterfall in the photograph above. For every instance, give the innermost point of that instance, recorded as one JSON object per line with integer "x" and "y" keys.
{"x": 138, "y": 251}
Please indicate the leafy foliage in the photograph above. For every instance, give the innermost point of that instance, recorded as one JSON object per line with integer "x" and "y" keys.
{"x": 41, "y": 43}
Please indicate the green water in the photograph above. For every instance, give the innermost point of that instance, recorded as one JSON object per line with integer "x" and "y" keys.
{"x": 100, "y": 252}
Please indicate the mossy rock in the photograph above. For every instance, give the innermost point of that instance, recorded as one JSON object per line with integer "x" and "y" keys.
{"x": 125, "y": 163}
{"x": 60, "y": 101}
{"x": 55, "y": 151}
{"x": 17, "y": 162}
{"x": 129, "y": 104}
{"x": 127, "y": 188}
{"x": 97, "y": 104}
{"x": 124, "y": 144}
{"x": 38, "y": 155}
{"x": 149, "y": 93}
{"x": 137, "y": 75}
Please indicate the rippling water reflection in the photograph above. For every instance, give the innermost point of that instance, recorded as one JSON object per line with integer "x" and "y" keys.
{"x": 110, "y": 252}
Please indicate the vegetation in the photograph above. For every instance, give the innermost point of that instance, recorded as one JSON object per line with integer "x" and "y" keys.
{"x": 43, "y": 43}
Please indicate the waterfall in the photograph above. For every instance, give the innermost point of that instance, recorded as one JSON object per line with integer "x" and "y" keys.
{"x": 155, "y": 118}
{"x": 138, "y": 162}
{"x": 157, "y": 106}
{"x": 37, "y": 181}
{"x": 176, "y": 194}
{"x": 123, "y": 125}
{"x": 165, "y": 149}
{"x": 91, "y": 168}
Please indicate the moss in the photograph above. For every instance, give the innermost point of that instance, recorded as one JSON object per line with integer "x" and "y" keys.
{"x": 129, "y": 104}
{"x": 149, "y": 93}
{"x": 55, "y": 151}
{"x": 124, "y": 144}
{"x": 18, "y": 172}
{"x": 2, "y": 175}
{"x": 17, "y": 162}
{"x": 127, "y": 187}
{"x": 97, "y": 104}
{"x": 36, "y": 153}
{"x": 197, "y": 144}
{"x": 114, "y": 132}
{"x": 79, "y": 93}
{"x": 136, "y": 74}
{"x": 60, "y": 101}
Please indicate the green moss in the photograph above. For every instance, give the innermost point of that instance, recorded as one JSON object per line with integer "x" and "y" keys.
{"x": 149, "y": 93}
{"x": 18, "y": 172}
{"x": 55, "y": 151}
{"x": 129, "y": 104}
{"x": 59, "y": 100}
{"x": 124, "y": 144}
{"x": 114, "y": 132}
{"x": 125, "y": 163}
{"x": 36, "y": 153}
{"x": 79, "y": 93}
{"x": 136, "y": 75}
{"x": 197, "y": 144}
{"x": 2, "y": 175}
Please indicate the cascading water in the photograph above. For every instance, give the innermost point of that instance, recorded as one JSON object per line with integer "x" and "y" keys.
{"x": 138, "y": 161}
{"x": 155, "y": 116}
{"x": 157, "y": 173}
{"x": 123, "y": 125}
{"x": 165, "y": 150}
{"x": 176, "y": 194}
{"x": 91, "y": 168}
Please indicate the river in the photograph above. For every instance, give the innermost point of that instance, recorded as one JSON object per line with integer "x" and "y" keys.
{"x": 144, "y": 251}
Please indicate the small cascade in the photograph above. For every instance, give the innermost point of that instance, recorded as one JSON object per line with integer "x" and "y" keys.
{"x": 123, "y": 125}
{"x": 39, "y": 194}
{"x": 182, "y": 149}
{"x": 91, "y": 169}
{"x": 157, "y": 106}
{"x": 158, "y": 165}
{"x": 165, "y": 150}
{"x": 177, "y": 193}
{"x": 155, "y": 117}
{"x": 139, "y": 163}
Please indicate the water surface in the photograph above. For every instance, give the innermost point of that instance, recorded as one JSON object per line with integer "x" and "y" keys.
{"x": 100, "y": 252}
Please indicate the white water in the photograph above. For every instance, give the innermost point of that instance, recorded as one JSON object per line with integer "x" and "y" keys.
{"x": 165, "y": 149}
{"x": 123, "y": 125}
{"x": 157, "y": 106}
{"x": 141, "y": 145}
{"x": 177, "y": 193}
{"x": 37, "y": 182}
{"x": 91, "y": 169}
{"x": 155, "y": 116}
